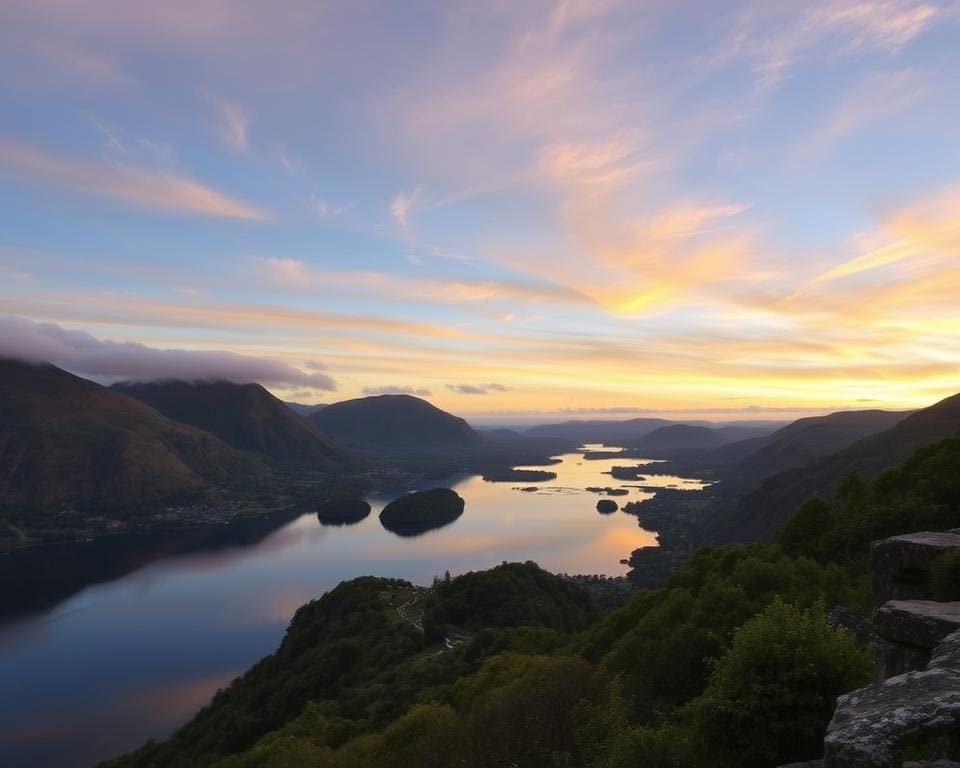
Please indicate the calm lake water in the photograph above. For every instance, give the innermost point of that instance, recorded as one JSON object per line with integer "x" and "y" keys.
{"x": 108, "y": 643}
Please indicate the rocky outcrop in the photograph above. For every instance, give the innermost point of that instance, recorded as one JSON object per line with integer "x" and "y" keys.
{"x": 916, "y": 701}
{"x": 902, "y": 564}
{"x": 872, "y": 726}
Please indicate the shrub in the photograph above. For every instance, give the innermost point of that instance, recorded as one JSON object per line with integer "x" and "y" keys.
{"x": 773, "y": 693}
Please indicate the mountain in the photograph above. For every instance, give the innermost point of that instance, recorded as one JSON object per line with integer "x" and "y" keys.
{"x": 755, "y": 515}
{"x": 681, "y": 437}
{"x": 678, "y": 438}
{"x": 613, "y": 432}
{"x": 67, "y": 441}
{"x": 802, "y": 441}
{"x": 661, "y": 434}
{"x": 302, "y": 409}
{"x": 244, "y": 416}
{"x": 394, "y": 421}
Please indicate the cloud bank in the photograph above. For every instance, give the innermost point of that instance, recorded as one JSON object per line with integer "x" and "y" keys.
{"x": 393, "y": 389}
{"x": 83, "y": 353}
{"x": 477, "y": 389}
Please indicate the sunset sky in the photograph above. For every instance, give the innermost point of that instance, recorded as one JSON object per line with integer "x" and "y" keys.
{"x": 517, "y": 209}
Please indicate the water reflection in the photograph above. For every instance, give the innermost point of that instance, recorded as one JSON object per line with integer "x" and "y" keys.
{"x": 132, "y": 623}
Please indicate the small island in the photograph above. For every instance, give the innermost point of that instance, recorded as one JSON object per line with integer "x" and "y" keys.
{"x": 626, "y": 473}
{"x": 422, "y": 511}
{"x": 607, "y": 490}
{"x": 342, "y": 511}
{"x": 511, "y": 475}
{"x": 607, "y": 506}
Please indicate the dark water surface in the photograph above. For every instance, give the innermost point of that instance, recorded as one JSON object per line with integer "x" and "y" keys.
{"x": 107, "y": 643}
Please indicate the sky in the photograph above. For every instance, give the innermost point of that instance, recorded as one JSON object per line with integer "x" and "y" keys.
{"x": 583, "y": 208}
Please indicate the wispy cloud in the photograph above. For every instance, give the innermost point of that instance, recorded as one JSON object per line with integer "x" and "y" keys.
{"x": 155, "y": 190}
{"x": 776, "y": 39}
{"x": 928, "y": 228}
{"x": 325, "y": 209}
{"x": 294, "y": 274}
{"x": 83, "y": 353}
{"x": 402, "y": 206}
{"x": 231, "y": 124}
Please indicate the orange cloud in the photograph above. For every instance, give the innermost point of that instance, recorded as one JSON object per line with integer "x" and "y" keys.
{"x": 928, "y": 228}
{"x": 156, "y": 190}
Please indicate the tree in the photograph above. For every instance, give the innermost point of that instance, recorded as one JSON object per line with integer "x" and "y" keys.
{"x": 773, "y": 693}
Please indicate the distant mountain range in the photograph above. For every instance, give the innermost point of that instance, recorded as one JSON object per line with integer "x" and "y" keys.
{"x": 655, "y": 437}
{"x": 245, "y": 416}
{"x": 677, "y": 438}
{"x": 386, "y": 422}
{"x": 598, "y": 431}
{"x": 67, "y": 441}
{"x": 801, "y": 442}
{"x": 756, "y": 514}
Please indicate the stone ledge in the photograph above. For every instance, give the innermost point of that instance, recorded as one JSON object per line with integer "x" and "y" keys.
{"x": 920, "y": 623}
{"x": 902, "y": 564}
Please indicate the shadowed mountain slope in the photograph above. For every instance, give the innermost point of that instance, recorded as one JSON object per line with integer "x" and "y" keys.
{"x": 803, "y": 441}
{"x": 388, "y": 422}
{"x": 245, "y": 416}
{"x": 756, "y": 514}
{"x": 68, "y": 441}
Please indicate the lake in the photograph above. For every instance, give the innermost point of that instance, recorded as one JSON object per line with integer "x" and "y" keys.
{"x": 107, "y": 643}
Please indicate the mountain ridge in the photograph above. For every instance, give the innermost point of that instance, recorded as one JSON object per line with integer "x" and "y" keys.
{"x": 756, "y": 514}
{"x": 385, "y": 422}
{"x": 245, "y": 416}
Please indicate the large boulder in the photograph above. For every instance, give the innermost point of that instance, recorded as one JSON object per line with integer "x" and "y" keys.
{"x": 872, "y": 726}
{"x": 902, "y": 564}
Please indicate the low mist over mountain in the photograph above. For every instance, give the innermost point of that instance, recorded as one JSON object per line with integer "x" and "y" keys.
{"x": 757, "y": 514}
{"x": 67, "y": 441}
{"x": 388, "y": 422}
{"x": 245, "y": 416}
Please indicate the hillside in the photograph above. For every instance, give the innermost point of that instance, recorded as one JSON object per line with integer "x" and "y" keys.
{"x": 360, "y": 655}
{"x": 67, "y": 441}
{"x": 245, "y": 416}
{"x": 755, "y": 515}
{"x": 681, "y": 437}
{"x": 800, "y": 442}
{"x": 388, "y": 422}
